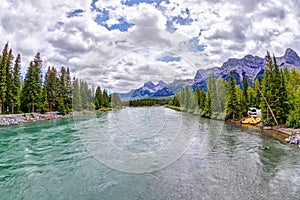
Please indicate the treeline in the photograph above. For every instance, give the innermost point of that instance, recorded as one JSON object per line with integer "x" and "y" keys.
{"x": 53, "y": 91}
{"x": 280, "y": 88}
{"x": 146, "y": 102}
{"x": 103, "y": 100}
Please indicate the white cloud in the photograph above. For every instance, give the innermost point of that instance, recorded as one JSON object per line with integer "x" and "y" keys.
{"x": 228, "y": 29}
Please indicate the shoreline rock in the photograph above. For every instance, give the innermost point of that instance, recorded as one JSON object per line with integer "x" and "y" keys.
{"x": 18, "y": 119}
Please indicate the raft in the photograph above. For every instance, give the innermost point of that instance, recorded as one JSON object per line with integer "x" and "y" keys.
{"x": 246, "y": 121}
{"x": 255, "y": 121}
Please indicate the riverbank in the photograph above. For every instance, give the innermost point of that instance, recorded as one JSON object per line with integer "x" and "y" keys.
{"x": 18, "y": 119}
{"x": 280, "y": 133}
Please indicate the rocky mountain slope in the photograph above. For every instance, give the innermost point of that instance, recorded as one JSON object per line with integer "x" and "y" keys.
{"x": 250, "y": 67}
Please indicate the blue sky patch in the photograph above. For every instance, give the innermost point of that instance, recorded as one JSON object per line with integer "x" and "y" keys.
{"x": 102, "y": 17}
{"x": 136, "y": 2}
{"x": 168, "y": 57}
{"x": 123, "y": 25}
{"x": 170, "y": 26}
{"x": 194, "y": 45}
{"x": 93, "y": 5}
{"x": 75, "y": 13}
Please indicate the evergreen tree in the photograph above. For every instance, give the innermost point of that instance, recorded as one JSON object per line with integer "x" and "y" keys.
{"x": 9, "y": 77}
{"x": 68, "y": 91}
{"x": 257, "y": 95}
{"x": 207, "y": 107}
{"x": 282, "y": 112}
{"x": 273, "y": 88}
{"x": 239, "y": 102}
{"x": 251, "y": 96}
{"x": 294, "y": 116}
{"x": 215, "y": 104}
{"x": 176, "y": 101}
{"x": 186, "y": 97}
{"x": 45, "y": 102}
{"x": 245, "y": 98}
{"x": 231, "y": 98}
{"x": 64, "y": 91}
{"x": 98, "y": 98}
{"x": 105, "y": 100}
{"x": 193, "y": 102}
{"x": 51, "y": 86}
{"x": 32, "y": 87}
{"x": 221, "y": 93}
{"x": 16, "y": 85}
{"x": 292, "y": 96}
{"x": 3, "y": 71}
{"x": 201, "y": 99}
{"x": 115, "y": 101}
{"x": 77, "y": 103}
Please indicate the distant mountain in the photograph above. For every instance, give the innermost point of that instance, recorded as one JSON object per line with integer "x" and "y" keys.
{"x": 250, "y": 67}
{"x": 148, "y": 90}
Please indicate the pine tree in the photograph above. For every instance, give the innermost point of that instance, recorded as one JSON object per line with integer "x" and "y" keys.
{"x": 215, "y": 104}
{"x": 245, "y": 101}
{"x": 45, "y": 103}
{"x": 231, "y": 98}
{"x": 292, "y": 79}
{"x": 9, "y": 77}
{"x": 68, "y": 94}
{"x": 51, "y": 85}
{"x": 3, "y": 71}
{"x": 257, "y": 95}
{"x": 207, "y": 107}
{"x": 32, "y": 87}
{"x": 175, "y": 101}
{"x": 221, "y": 93}
{"x": 86, "y": 96}
{"x": 64, "y": 91}
{"x": 294, "y": 116}
{"x": 273, "y": 88}
{"x": 115, "y": 101}
{"x": 105, "y": 102}
{"x": 239, "y": 102}
{"x": 77, "y": 103}
{"x": 201, "y": 99}
{"x": 283, "y": 100}
{"x": 98, "y": 98}
{"x": 16, "y": 85}
{"x": 186, "y": 97}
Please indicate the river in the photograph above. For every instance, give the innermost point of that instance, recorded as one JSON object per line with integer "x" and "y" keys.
{"x": 145, "y": 153}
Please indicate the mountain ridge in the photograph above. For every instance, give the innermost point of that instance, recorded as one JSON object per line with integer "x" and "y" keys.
{"x": 250, "y": 67}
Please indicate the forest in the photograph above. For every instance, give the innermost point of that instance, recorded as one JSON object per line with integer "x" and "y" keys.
{"x": 280, "y": 88}
{"x": 53, "y": 90}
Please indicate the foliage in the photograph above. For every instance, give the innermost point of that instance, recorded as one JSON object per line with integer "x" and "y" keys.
{"x": 231, "y": 103}
{"x": 145, "y": 102}
{"x": 274, "y": 91}
{"x": 32, "y": 87}
{"x": 16, "y": 86}
{"x": 115, "y": 101}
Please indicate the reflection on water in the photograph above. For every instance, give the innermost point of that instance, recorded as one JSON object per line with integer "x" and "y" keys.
{"x": 48, "y": 160}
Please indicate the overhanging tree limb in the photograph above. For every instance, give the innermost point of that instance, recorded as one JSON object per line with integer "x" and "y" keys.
{"x": 266, "y": 103}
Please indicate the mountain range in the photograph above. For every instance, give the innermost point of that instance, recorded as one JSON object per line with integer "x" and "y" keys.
{"x": 250, "y": 67}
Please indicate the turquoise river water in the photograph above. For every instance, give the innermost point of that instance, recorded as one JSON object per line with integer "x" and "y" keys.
{"x": 145, "y": 153}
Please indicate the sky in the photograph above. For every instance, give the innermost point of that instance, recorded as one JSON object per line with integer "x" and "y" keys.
{"x": 120, "y": 44}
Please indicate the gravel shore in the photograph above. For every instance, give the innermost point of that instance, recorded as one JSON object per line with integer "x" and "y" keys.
{"x": 17, "y": 119}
